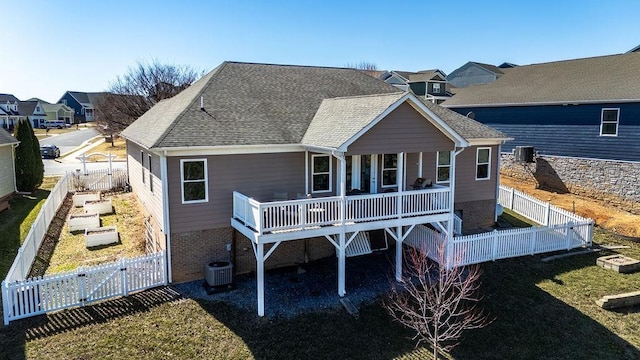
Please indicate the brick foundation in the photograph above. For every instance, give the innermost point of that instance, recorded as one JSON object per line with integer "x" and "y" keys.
{"x": 615, "y": 182}
{"x": 477, "y": 214}
{"x": 190, "y": 251}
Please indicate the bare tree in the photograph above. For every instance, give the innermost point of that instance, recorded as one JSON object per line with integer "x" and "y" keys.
{"x": 437, "y": 302}
{"x": 366, "y": 66}
{"x": 142, "y": 86}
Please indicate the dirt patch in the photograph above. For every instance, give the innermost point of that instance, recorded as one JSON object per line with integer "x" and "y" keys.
{"x": 605, "y": 215}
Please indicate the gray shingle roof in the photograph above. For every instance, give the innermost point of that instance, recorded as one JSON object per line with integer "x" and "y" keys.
{"x": 85, "y": 97}
{"x": 6, "y": 138}
{"x": 494, "y": 69}
{"x": 345, "y": 117}
{"x": 263, "y": 104}
{"x": 27, "y": 108}
{"x": 249, "y": 104}
{"x": 604, "y": 78}
{"x": 8, "y": 97}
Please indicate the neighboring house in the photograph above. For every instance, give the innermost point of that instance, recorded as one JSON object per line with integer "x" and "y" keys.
{"x": 34, "y": 111}
{"x": 13, "y": 110}
{"x": 82, "y": 103}
{"x": 8, "y": 173}
{"x": 59, "y": 112}
{"x": 476, "y": 73}
{"x": 208, "y": 164}
{"x": 9, "y": 114}
{"x": 576, "y": 109}
{"x": 430, "y": 85}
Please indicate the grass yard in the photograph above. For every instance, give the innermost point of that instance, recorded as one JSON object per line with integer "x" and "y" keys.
{"x": 70, "y": 251}
{"x": 16, "y": 221}
{"x": 119, "y": 149}
{"x": 541, "y": 311}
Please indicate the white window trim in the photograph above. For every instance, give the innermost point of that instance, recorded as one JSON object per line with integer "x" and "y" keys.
{"x": 438, "y": 166}
{"x": 602, "y": 121}
{"x": 313, "y": 173}
{"x": 433, "y": 87}
{"x": 206, "y": 181}
{"x": 383, "y": 169}
{"x": 488, "y": 163}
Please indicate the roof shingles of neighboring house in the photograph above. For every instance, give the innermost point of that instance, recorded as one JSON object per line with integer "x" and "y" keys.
{"x": 257, "y": 104}
{"x": 604, "y": 78}
{"x": 6, "y": 138}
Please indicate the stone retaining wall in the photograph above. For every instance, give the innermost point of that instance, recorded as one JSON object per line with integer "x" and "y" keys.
{"x": 615, "y": 182}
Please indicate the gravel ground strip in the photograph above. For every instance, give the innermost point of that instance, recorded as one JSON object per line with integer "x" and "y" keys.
{"x": 308, "y": 287}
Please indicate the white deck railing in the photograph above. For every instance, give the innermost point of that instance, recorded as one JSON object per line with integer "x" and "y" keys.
{"x": 307, "y": 213}
{"x": 30, "y": 297}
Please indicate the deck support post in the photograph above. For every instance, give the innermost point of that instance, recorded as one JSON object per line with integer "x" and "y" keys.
{"x": 399, "y": 240}
{"x": 260, "y": 276}
{"x": 341, "y": 264}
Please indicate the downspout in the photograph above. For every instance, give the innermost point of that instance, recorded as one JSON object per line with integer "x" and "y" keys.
{"x": 498, "y": 166}
{"x": 165, "y": 212}
{"x": 13, "y": 166}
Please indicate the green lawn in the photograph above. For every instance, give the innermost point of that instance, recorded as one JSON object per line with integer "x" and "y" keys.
{"x": 16, "y": 222}
{"x": 541, "y": 311}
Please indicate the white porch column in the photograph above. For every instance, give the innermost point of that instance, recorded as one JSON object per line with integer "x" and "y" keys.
{"x": 452, "y": 185}
{"x": 342, "y": 235}
{"x": 420, "y": 164}
{"x": 399, "y": 240}
{"x": 260, "y": 276}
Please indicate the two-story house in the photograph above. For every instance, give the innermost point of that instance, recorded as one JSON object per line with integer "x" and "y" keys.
{"x": 477, "y": 73}
{"x": 244, "y": 166}
{"x": 582, "y": 117}
{"x": 82, "y": 103}
{"x": 13, "y": 110}
{"x": 430, "y": 85}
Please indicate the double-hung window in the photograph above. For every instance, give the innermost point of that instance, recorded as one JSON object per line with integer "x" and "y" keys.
{"x": 436, "y": 88}
{"x": 483, "y": 163}
{"x": 609, "y": 122}
{"x": 321, "y": 173}
{"x": 194, "y": 181}
{"x": 443, "y": 166}
{"x": 389, "y": 170}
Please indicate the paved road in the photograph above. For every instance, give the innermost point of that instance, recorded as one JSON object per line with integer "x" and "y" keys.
{"x": 71, "y": 140}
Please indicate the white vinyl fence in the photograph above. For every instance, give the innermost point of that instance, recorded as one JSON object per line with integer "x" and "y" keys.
{"x": 94, "y": 180}
{"x": 29, "y": 249}
{"x": 25, "y": 298}
{"x": 561, "y": 230}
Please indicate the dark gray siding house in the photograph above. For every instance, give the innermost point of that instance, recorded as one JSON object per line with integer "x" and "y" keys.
{"x": 575, "y": 109}
{"x": 82, "y": 103}
{"x": 475, "y": 73}
{"x": 243, "y": 166}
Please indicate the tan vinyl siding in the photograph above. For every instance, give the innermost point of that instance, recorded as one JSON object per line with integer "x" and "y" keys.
{"x": 404, "y": 129}
{"x": 255, "y": 175}
{"x": 7, "y": 185}
{"x": 467, "y": 187}
{"x": 151, "y": 201}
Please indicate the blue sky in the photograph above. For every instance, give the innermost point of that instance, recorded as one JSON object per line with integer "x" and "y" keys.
{"x": 57, "y": 45}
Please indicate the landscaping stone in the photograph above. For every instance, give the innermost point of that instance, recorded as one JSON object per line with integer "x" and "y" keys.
{"x": 621, "y": 300}
{"x": 619, "y": 263}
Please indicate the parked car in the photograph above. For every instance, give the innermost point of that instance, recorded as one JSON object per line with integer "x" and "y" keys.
{"x": 58, "y": 124}
{"x": 50, "y": 151}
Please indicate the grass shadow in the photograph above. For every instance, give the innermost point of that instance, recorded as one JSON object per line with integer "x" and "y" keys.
{"x": 23, "y": 209}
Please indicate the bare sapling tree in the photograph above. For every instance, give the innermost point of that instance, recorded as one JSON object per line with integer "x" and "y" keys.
{"x": 438, "y": 302}
{"x": 140, "y": 88}
{"x": 367, "y": 67}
